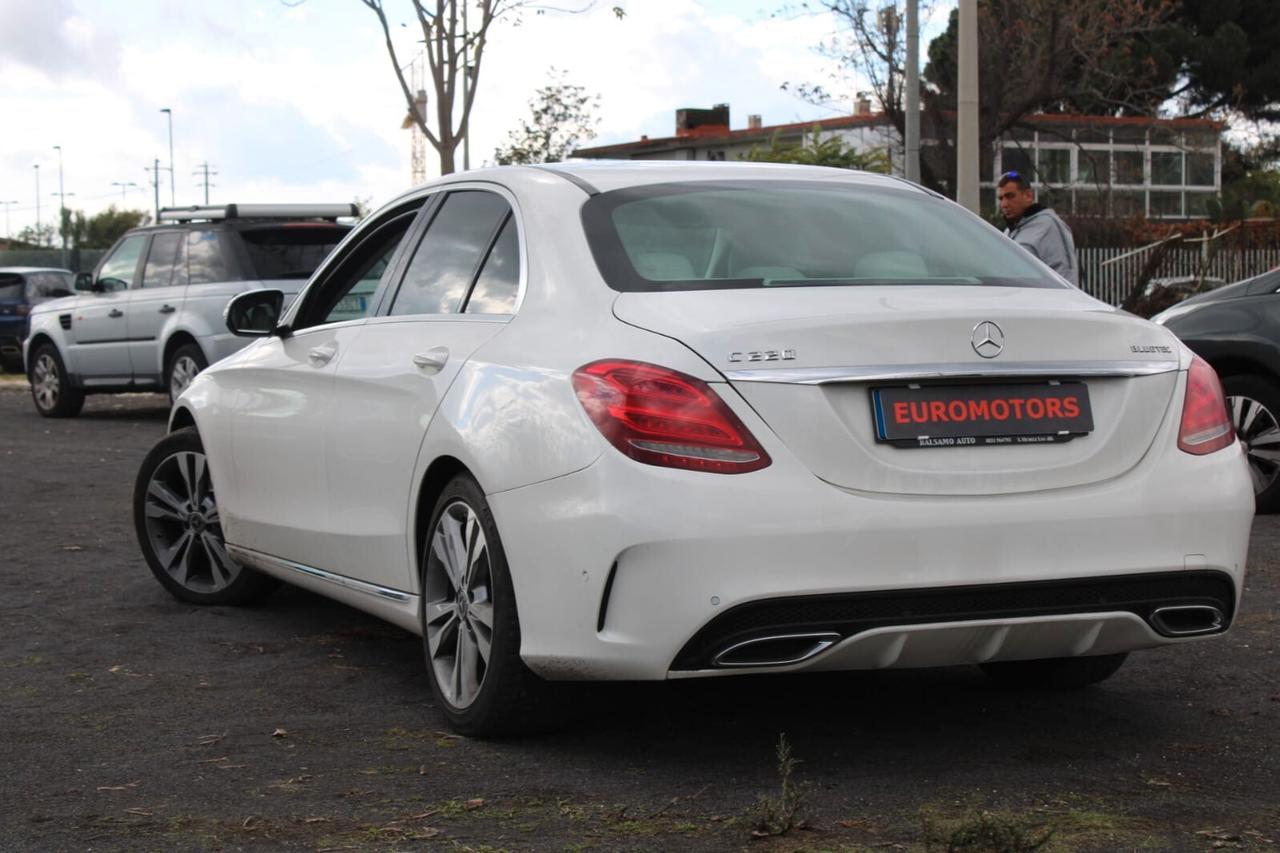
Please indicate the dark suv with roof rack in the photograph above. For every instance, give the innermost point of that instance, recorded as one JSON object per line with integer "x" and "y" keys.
{"x": 150, "y": 317}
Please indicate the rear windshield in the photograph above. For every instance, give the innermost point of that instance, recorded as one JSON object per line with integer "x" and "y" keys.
{"x": 735, "y": 234}
{"x": 46, "y": 285}
{"x": 290, "y": 251}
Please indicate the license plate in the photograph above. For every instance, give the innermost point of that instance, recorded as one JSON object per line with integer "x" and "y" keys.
{"x": 976, "y": 415}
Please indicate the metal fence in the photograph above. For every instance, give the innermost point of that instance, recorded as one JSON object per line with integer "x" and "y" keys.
{"x": 79, "y": 260}
{"x": 1111, "y": 283}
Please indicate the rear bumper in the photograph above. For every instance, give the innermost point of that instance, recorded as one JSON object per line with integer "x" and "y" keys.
{"x": 643, "y": 560}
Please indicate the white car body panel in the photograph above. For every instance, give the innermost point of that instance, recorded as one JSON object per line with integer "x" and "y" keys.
{"x": 617, "y": 564}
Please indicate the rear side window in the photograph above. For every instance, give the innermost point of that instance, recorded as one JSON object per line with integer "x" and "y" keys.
{"x": 11, "y": 289}
{"x": 119, "y": 269}
{"x": 290, "y": 251}
{"x": 205, "y": 263}
{"x": 495, "y": 290}
{"x": 162, "y": 259}
{"x": 447, "y": 259}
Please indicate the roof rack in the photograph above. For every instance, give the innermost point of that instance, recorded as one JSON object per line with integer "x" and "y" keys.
{"x": 330, "y": 212}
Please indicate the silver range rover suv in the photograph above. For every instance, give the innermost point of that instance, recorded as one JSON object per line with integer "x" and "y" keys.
{"x": 150, "y": 317}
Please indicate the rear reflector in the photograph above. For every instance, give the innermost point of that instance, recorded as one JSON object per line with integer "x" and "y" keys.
{"x": 662, "y": 417}
{"x": 1206, "y": 426}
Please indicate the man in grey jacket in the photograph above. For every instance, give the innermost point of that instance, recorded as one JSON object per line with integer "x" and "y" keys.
{"x": 1037, "y": 228}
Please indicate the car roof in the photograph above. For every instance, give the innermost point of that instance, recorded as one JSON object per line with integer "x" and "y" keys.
{"x": 598, "y": 176}
{"x": 24, "y": 270}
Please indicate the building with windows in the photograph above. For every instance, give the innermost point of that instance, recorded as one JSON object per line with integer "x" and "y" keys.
{"x": 1080, "y": 165}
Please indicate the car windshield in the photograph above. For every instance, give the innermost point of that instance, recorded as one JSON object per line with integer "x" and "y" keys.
{"x": 734, "y": 234}
{"x": 11, "y": 289}
{"x": 290, "y": 251}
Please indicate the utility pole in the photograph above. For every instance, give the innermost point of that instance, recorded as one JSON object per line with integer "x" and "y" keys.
{"x": 172, "y": 203}
{"x": 37, "y": 168}
{"x": 912, "y": 165}
{"x": 62, "y": 207}
{"x": 206, "y": 171}
{"x": 155, "y": 182}
{"x": 7, "y": 205}
{"x": 967, "y": 108}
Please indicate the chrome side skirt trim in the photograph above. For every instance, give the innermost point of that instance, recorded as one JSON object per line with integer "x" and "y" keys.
{"x": 266, "y": 562}
{"x": 916, "y": 372}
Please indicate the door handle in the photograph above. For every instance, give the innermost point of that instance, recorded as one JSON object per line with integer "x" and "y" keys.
{"x": 320, "y": 356}
{"x": 115, "y": 312}
{"x": 433, "y": 360}
{"x": 167, "y": 309}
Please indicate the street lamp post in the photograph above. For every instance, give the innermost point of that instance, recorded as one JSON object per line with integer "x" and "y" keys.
{"x": 169, "y": 112}
{"x": 124, "y": 187}
{"x": 62, "y": 207}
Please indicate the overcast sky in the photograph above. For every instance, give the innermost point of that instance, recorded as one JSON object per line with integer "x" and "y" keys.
{"x": 299, "y": 103}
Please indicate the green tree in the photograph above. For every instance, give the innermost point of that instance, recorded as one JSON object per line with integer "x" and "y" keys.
{"x": 814, "y": 150}
{"x": 1226, "y": 50}
{"x": 561, "y": 118}
{"x": 37, "y": 237}
{"x": 102, "y": 230}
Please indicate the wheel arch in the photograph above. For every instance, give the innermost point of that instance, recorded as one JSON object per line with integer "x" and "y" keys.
{"x": 179, "y": 338}
{"x": 181, "y": 418}
{"x": 37, "y": 340}
{"x": 437, "y": 476}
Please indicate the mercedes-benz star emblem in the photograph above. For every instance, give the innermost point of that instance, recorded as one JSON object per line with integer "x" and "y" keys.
{"x": 988, "y": 339}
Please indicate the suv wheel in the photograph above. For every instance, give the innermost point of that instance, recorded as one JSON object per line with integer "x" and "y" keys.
{"x": 1254, "y": 404}
{"x": 51, "y": 388}
{"x": 186, "y": 361}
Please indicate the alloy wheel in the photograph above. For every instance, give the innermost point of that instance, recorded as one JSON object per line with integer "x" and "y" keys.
{"x": 458, "y": 615}
{"x": 183, "y": 526}
{"x": 44, "y": 381}
{"x": 1259, "y": 432}
{"x": 184, "y": 370}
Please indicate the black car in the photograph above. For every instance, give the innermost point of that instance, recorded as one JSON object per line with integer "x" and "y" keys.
{"x": 1237, "y": 330}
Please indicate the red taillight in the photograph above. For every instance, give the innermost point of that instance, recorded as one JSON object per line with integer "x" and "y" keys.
{"x": 1206, "y": 426}
{"x": 661, "y": 417}
{"x": 23, "y": 310}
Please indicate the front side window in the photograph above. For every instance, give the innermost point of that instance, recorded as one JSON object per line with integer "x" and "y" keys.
{"x": 737, "y": 234}
{"x": 446, "y": 261}
{"x": 162, "y": 259}
{"x": 119, "y": 270}
{"x": 205, "y": 263}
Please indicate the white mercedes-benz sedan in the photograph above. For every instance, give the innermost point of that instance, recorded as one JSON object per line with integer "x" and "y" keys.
{"x": 660, "y": 420}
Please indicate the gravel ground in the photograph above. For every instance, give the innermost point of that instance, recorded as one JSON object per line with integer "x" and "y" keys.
{"x": 131, "y": 721}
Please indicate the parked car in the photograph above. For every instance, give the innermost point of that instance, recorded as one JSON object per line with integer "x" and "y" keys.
{"x": 1237, "y": 330}
{"x": 657, "y": 420}
{"x": 150, "y": 317}
{"x": 20, "y": 289}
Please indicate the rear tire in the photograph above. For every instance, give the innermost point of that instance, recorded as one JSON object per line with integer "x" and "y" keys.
{"x": 175, "y": 517}
{"x": 51, "y": 388}
{"x": 470, "y": 626}
{"x": 184, "y": 365}
{"x": 1253, "y": 401}
{"x": 1054, "y": 673}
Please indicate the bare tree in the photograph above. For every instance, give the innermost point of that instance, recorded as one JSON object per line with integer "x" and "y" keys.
{"x": 454, "y": 46}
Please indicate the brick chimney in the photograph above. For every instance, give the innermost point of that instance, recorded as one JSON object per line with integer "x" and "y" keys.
{"x": 699, "y": 122}
{"x": 862, "y": 104}
{"x": 754, "y": 122}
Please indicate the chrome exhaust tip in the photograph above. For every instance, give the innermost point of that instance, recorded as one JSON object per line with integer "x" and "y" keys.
{"x": 775, "y": 650}
{"x": 1187, "y": 620}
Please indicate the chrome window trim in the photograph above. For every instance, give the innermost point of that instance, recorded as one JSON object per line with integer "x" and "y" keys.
{"x": 915, "y": 372}
{"x": 266, "y": 561}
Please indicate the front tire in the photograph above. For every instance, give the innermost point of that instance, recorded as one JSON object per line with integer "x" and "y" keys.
{"x": 1254, "y": 404}
{"x": 175, "y": 517}
{"x": 1054, "y": 673}
{"x": 184, "y": 365}
{"x": 51, "y": 388}
{"x": 470, "y": 627}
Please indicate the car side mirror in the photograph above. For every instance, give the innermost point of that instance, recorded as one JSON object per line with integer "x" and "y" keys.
{"x": 84, "y": 281}
{"x": 254, "y": 314}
